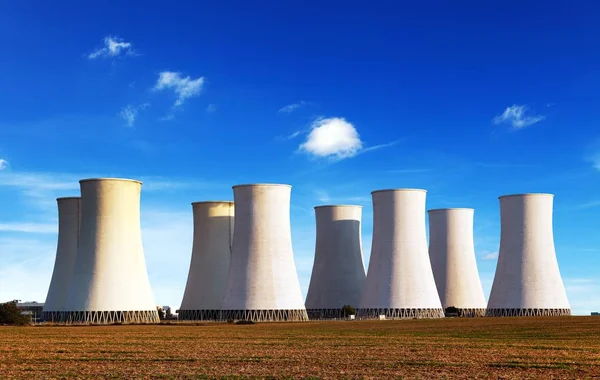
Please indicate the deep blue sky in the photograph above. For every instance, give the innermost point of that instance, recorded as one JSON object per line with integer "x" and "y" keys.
{"x": 422, "y": 84}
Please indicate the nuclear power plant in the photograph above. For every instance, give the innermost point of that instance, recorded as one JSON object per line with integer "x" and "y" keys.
{"x": 242, "y": 263}
{"x": 452, "y": 255}
{"x": 338, "y": 272}
{"x": 400, "y": 281}
{"x": 262, "y": 281}
{"x": 527, "y": 280}
{"x": 211, "y": 250}
{"x": 110, "y": 283}
{"x": 66, "y": 252}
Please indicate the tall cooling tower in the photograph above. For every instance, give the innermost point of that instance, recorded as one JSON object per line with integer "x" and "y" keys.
{"x": 400, "y": 281}
{"x": 338, "y": 272}
{"x": 110, "y": 283}
{"x": 211, "y": 250}
{"x": 66, "y": 252}
{"x": 527, "y": 280}
{"x": 262, "y": 281}
{"x": 452, "y": 255}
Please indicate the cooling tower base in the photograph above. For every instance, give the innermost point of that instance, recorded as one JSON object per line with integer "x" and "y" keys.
{"x": 199, "y": 315}
{"x": 109, "y": 317}
{"x": 265, "y": 315}
{"x": 400, "y": 313}
{"x": 527, "y": 312}
{"x": 52, "y": 316}
{"x": 470, "y": 312}
{"x": 325, "y": 314}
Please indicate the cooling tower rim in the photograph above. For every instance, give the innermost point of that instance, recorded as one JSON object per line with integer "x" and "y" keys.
{"x": 261, "y": 185}
{"x": 451, "y": 209}
{"x": 398, "y": 190}
{"x": 207, "y": 202}
{"x": 527, "y": 195}
{"x": 110, "y": 179}
{"x": 331, "y": 206}
{"x": 66, "y": 198}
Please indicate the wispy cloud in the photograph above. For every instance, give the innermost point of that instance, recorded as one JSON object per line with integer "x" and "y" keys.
{"x": 37, "y": 228}
{"x": 518, "y": 116}
{"x": 3, "y": 164}
{"x": 583, "y": 294}
{"x": 487, "y": 255}
{"x": 211, "y": 108}
{"x": 42, "y": 189}
{"x": 332, "y": 137}
{"x": 587, "y": 205}
{"x": 323, "y": 196}
{"x": 380, "y": 146}
{"x": 504, "y": 166}
{"x": 184, "y": 87}
{"x": 168, "y": 117}
{"x": 129, "y": 113}
{"x": 294, "y": 106}
{"x": 294, "y": 135}
{"x": 113, "y": 47}
{"x": 407, "y": 171}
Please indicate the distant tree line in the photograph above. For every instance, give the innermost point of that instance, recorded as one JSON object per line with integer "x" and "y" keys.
{"x": 10, "y": 314}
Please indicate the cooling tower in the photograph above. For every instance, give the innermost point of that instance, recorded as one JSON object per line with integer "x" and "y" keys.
{"x": 211, "y": 250}
{"x": 66, "y": 252}
{"x": 262, "y": 282}
{"x": 527, "y": 280}
{"x": 338, "y": 272}
{"x": 110, "y": 283}
{"x": 399, "y": 281}
{"x": 452, "y": 255}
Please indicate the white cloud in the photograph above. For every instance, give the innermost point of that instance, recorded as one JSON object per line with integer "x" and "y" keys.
{"x": 517, "y": 116}
{"x": 489, "y": 255}
{"x": 113, "y": 47}
{"x": 184, "y": 87}
{"x": 3, "y": 164}
{"x": 129, "y": 113}
{"x": 292, "y": 107}
{"x": 332, "y": 137}
{"x": 211, "y": 108}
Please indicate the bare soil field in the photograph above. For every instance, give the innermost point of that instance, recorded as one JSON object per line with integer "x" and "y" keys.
{"x": 555, "y": 347}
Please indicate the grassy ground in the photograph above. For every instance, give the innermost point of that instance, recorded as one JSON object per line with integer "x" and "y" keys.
{"x": 563, "y": 347}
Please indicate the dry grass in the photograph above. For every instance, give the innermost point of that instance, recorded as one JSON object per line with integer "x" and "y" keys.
{"x": 453, "y": 348}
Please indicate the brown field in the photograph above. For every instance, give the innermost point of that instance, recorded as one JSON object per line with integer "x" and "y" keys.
{"x": 559, "y": 347}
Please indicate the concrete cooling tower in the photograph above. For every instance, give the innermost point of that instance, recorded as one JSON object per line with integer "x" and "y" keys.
{"x": 262, "y": 282}
{"x": 527, "y": 280}
{"x": 452, "y": 255}
{"x": 400, "y": 281}
{"x": 110, "y": 283}
{"x": 211, "y": 250}
{"x": 66, "y": 252}
{"x": 338, "y": 272}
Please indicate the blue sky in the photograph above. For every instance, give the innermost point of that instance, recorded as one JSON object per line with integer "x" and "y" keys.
{"x": 468, "y": 101}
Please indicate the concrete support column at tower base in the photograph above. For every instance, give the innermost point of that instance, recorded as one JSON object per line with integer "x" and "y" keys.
{"x": 315, "y": 314}
{"x": 400, "y": 313}
{"x": 199, "y": 315}
{"x": 104, "y": 317}
{"x": 471, "y": 312}
{"x": 527, "y": 312}
{"x": 276, "y": 315}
